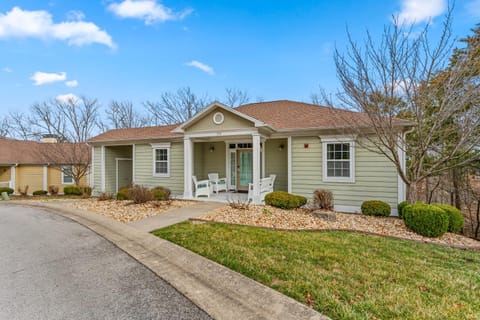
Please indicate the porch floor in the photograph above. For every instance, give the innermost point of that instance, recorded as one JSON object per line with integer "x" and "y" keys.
{"x": 225, "y": 197}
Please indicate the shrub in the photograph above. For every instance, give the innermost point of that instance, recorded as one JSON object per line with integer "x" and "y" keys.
{"x": 53, "y": 190}
{"x": 426, "y": 220}
{"x": 72, "y": 190}
{"x": 323, "y": 199}
{"x": 7, "y": 190}
{"x": 39, "y": 192}
{"x": 139, "y": 194}
{"x": 284, "y": 200}
{"x": 86, "y": 191}
{"x": 455, "y": 217}
{"x": 400, "y": 208}
{"x": 104, "y": 196}
{"x": 122, "y": 194}
{"x": 161, "y": 193}
{"x": 376, "y": 208}
{"x": 24, "y": 191}
{"x": 239, "y": 204}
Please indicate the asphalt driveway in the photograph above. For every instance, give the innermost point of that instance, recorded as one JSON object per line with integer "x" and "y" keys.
{"x": 53, "y": 268}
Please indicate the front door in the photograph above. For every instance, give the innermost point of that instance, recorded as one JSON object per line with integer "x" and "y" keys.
{"x": 244, "y": 169}
{"x": 124, "y": 173}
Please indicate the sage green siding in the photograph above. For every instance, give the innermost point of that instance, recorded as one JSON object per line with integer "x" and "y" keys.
{"x": 97, "y": 169}
{"x": 111, "y": 154}
{"x": 276, "y": 162}
{"x": 144, "y": 168}
{"x": 375, "y": 175}
{"x": 206, "y": 161}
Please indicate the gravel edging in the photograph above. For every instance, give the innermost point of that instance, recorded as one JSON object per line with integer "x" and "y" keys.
{"x": 455, "y": 246}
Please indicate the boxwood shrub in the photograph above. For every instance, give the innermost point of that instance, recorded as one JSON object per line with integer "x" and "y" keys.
{"x": 122, "y": 194}
{"x": 6, "y": 189}
{"x": 39, "y": 192}
{"x": 455, "y": 217}
{"x": 400, "y": 208}
{"x": 284, "y": 200}
{"x": 426, "y": 220}
{"x": 160, "y": 193}
{"x": 376, "y": 208}
{"x": 72, "y": 190}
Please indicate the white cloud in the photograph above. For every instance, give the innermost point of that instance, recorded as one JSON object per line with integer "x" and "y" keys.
{"x": 66, "y": 98}
{"x": 201, "y": 66}
{"x": 417, "y": 11}
{"x": 7, "y": 70}
{"x": 473, "y": 8}
{"x": 148, "y": 10}
{"x": 41, "y": 78}
{"x": 75, "y": 15}
{"x": 71, "y": 83}
{"x": 18, "y": 23}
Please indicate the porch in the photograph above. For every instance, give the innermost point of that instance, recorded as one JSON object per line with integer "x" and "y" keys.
{"x": 7, "y": 177}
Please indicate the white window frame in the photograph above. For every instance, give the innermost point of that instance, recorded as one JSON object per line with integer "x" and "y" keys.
{"x": 160, "y": 146}
{"x": 336, "y": 140}
{"x": 63, "y": 175}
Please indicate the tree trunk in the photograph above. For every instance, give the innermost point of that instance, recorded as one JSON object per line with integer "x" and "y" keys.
{"x": 457, "y": 183}
{"x": 412, "y": 194}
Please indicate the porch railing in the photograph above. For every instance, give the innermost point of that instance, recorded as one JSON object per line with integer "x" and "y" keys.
{"x": 5, "y": 184}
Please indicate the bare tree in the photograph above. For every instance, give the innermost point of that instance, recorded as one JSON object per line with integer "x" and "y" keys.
{"x": 397, "y": 78}
{"x": 235, "y": 97}
{"x": 176, "y": 107}
{"x": 20, "y": 127}
{"x": 122, "y": 114}
{"x": 4, "y": 127}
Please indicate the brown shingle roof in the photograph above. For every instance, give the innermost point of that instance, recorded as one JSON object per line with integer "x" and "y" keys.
{"x": 32, "y": 152}
{"x": 285, "y": 114}
{"x": 137, "y": 133}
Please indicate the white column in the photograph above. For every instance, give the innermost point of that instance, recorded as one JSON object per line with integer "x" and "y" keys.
{"x": 256, "y": 168}
{"x": 263, "y": 157}
{"x": 12, "y": 178}
{"x": 289, "y": 164}
{"x": 133, "y": 164}
{"x": 402, "y": 188}
{"x": 45, "y": 177}
{"x": 102, "y": 169}
{"x": 188, "y": 167}
{"x": 92, "y": 169}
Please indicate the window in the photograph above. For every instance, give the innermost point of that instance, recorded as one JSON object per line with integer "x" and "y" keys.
{"x": 161, "y": 159}
{"x": 67, "y": 175}
{"x": 338, "y": 160}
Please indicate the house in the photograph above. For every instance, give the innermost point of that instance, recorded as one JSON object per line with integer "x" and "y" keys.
{"x": 39, "y": 164}
{"x": 306, "y": 146}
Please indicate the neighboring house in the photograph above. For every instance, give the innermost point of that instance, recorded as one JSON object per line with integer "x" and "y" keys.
{"x": 37, "y": 164}
{"x": 307, "y": 146}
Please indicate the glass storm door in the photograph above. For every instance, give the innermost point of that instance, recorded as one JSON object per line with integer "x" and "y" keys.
{"x": 244, "y": 169}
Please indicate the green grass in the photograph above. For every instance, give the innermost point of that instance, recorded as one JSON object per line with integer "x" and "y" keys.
{"x": 348, "y": 275}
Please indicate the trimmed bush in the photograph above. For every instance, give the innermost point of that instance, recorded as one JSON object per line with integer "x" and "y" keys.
{"x": 39, "y": 192}
{"x": 284, "y": 200}
{"x": 87, "y": 191}
{"x": 426, "y": 220}
{"x": 455, "y": 217}
{"x": 376, "y": 208}
{"x": 160, "y": 193}
{"x": 7, "y": 190}
{"x": 53, "y": 190}
{"x": 122, "y": 194}
{"x": 323, "y": 199}
{"x": 139, "y": 194}
{"x": 72, "y": 190}
{"x": 400, "y": 208}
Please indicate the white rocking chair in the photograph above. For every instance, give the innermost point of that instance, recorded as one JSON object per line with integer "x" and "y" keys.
{"x": 218, "y": 184}
{"x": 202, "y": 187}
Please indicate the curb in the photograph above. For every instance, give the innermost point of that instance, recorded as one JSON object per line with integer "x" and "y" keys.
{"x": 219, "y": 291}
{"x": 454, "y": 246}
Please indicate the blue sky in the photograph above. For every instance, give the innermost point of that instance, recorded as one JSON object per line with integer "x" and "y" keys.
{"x": 135, "y": 50}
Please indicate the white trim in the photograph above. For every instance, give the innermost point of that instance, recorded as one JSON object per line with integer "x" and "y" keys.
{"x": 218, "y": 121}
{"x": 102, "y": 168}
{"x": 338, "y": 139}
{"x": 63, "y": 175}
{"x": 116, "y": 170}
{"x": 402, "y": 188}
{"x": 134, "y": 177}
{"x": 256, "y": 168}
{"x": 224, "y": 133}
{"x": 154, "y": 159}
{"x": 188, "y": 154}
{"x": 263, "y": 158}
{"x": 45, "y": 177}
{"x": 198, "y": 116}
{"x": 289, "y": 164}
{"x": 92, "y": 169}
{"x": 13, "y": 177}
{"x": 161, "y": 145}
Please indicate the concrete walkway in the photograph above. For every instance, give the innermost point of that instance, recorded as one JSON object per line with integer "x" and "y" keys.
{"x": 174, "y": 216}
{"x": 219, "y": 291}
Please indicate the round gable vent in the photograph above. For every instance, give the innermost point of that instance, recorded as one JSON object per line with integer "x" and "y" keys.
{"x": 218, "y": 118}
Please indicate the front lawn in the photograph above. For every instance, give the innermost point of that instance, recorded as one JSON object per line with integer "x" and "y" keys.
{"x": 345, "y": 275}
